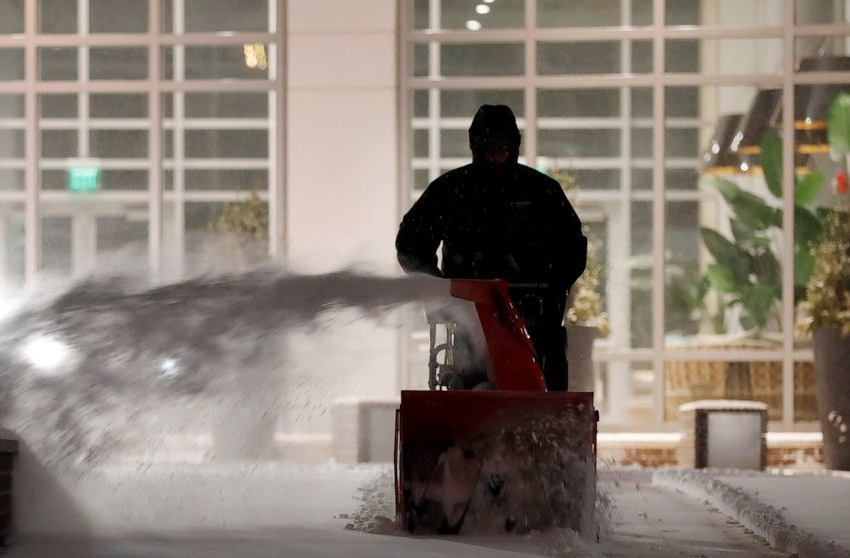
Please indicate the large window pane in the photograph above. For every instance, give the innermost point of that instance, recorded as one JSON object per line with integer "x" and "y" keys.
{"x": 202, "y": 16}
{"x": 498, "y": 59}
{"x": 593, "y": 13}
{"x": 476, "y": 14}
{"x": 57, "y": 16}
{"x": 118, "y": 63}
{"x": 118, "y": 16}
{"x": 13, "y": 16}
{"x": 594, "y": 57}
{"x": 724, "y": 56}
{"x": 57, "y": 64}
{"x": 11, "y": 64}
{"x": 248, "y": 61}
{"x": 741, "y": 13}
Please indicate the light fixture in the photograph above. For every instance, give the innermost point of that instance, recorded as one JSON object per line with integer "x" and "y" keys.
{"x": 489, "y": 1}
{"x": 719, "y": 159}
{"x": 811, "y": 104}
{"x": 482, "y": 9}
{"x": 473, "y": 25}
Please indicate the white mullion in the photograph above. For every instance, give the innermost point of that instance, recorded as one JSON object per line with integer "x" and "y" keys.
{"x": 277, "y": 136}
{"x": 434, "y": 108}
{"x": 178, "y": 174}
{"x": 788, "y": 218}
{"x": 530, "y": 90}
{"x": 83, "y": 74}
{"x": 64, "y": 40}
{"x": 155, "y": 139}
{"x": 658, "y": 213}
{"x": 32, "y": 224}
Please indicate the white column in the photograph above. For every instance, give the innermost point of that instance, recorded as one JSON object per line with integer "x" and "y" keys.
{"x": 342, "y": 172}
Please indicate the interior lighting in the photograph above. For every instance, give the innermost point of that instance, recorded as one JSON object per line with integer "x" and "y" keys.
{"x": 482, "y": 9}
{"x": 255, "y": 56}
{"x": 489, "y": 1}
{"x": 46, "y": 354}
{"x": 473, "y": 25}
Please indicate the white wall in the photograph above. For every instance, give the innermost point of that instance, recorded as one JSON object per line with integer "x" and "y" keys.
{"x": 342, "y": 191}
{"x": 341, "y": 119}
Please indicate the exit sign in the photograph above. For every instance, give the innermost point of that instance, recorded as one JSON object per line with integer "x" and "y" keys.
{"x": 83, "y": 179}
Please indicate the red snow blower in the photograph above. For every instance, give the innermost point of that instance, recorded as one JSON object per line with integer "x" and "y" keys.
{"x": 511, "y": 458}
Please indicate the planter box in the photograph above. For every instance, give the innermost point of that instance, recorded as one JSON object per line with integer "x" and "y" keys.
{"x": 832, "y": 361}
{"x": 722, "y": 434}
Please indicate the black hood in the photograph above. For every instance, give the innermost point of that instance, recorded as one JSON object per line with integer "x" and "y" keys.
{"x": 494, "y": 124}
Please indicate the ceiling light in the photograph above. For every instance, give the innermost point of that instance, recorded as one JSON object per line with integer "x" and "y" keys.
{"x": 482, "y": 9}
{"x": 473, "y": 25}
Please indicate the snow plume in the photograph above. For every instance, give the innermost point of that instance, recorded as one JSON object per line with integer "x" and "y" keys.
{"x": 112, "y": 372}
{"x": 81, "y": 370}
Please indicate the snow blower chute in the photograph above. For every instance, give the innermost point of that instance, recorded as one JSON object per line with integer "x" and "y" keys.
{"x": 512, "y": 458}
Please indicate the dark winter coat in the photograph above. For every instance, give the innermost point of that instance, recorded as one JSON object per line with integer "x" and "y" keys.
{"x": 514, "y": 223}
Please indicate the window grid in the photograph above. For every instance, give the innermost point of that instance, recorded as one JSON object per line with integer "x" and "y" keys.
{"x": 659, "y": 33}
{"x": 153, "y": 86}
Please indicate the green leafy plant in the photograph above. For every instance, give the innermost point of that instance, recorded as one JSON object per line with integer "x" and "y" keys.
{"x": 246, "y": 222}
{"x": 827, "y": 301}
{"x": 585, "y": 306}
{"x": 746, "y": 272}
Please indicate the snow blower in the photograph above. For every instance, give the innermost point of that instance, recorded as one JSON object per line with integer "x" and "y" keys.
{"x": 511, "y": 458}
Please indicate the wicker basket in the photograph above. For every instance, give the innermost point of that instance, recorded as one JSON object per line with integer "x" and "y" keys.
{"x": 686, "y": 381}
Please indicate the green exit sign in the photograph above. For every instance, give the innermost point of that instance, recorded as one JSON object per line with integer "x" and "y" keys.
{"x": 83, "y": 179}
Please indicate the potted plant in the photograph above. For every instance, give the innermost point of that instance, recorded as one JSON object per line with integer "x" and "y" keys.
{"x": 584, "y": 320}
{"x": 827, "y": 304}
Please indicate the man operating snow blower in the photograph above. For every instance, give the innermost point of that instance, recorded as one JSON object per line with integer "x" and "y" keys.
{"x": 498, "y": 219}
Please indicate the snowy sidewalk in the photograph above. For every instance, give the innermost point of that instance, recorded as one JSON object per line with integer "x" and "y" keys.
{"x": 806, "y": 514}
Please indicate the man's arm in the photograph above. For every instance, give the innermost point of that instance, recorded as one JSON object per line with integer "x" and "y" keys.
{"x": 420, "y": 234}
{"x": 569, "y": 242}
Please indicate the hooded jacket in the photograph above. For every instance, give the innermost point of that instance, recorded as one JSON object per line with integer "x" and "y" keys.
{"x": 512, "y": 223}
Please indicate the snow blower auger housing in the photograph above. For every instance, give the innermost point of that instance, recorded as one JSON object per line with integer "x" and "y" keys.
{"x": 514, "y": 458}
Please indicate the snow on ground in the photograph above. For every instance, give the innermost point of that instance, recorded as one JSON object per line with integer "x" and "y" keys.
{"x": 806, "y": 515}
{"x": 300, "y": 510}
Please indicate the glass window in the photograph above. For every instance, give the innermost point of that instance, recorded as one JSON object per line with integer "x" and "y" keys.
{"x": 593, "y": 13}
{"x": 13, "y": 16}
{"x": 497, "y": 59}
{"x": 118, "y": 16}
{"x": 205, "y": 16}
{"x": 249, "y": 61}
{"x": 593, "y": 58}
{"x": 118, "y": 63}
{"x": 11, "y": 64}
{"x": 57, "y": 16}
{"x": 57, "y": 64}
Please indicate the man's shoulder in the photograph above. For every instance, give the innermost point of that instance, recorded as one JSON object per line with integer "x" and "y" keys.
{"x": 539, "y": 179}
{"x": 450, "y": 179}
